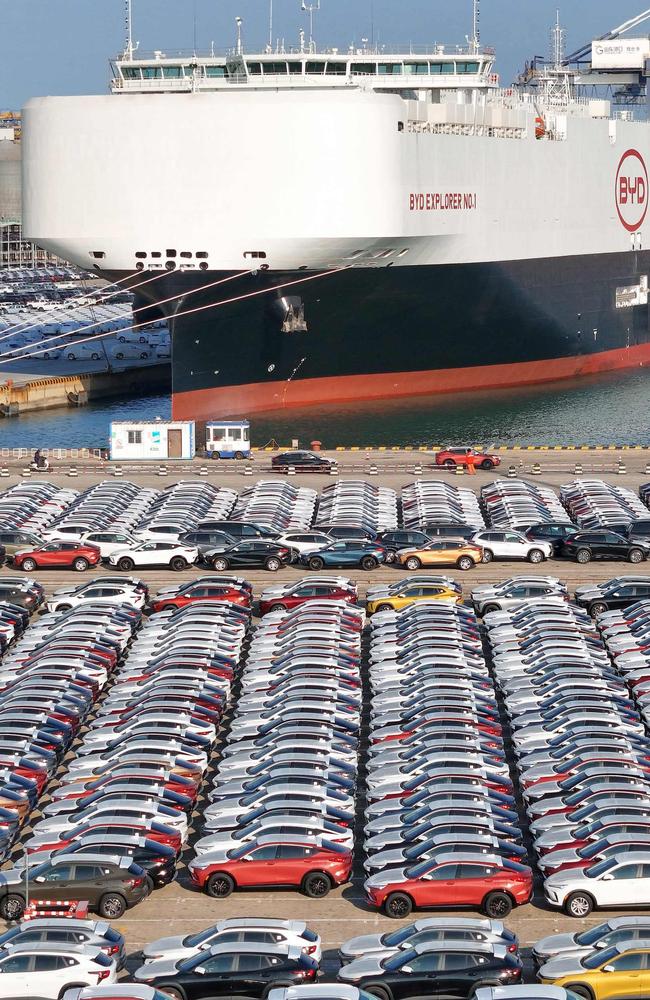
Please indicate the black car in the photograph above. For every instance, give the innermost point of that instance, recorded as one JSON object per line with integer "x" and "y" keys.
{"x": 157, "y": 860}
{"x": 439, "y": 968}
{"x": 239, "y": 529}
{"x": 204, "y": 539}
{"x": 302, "y": 461}
{"x": 583, "y": 546}
{"x": 553, "y": 532}
{"x": 259, "y": 554}
{"x": 242, "y": 969}
{"x": 600, "y": 597}
{"x": 348, "y": 532}
{"x": 395, "y": 540}
{"x": 450, "y": 529}
{"x": 21, "y": 595}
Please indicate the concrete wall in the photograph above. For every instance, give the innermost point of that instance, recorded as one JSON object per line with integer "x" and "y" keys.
{"x": 10, "y": 181}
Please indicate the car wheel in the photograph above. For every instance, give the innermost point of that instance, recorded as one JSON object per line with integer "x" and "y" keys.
{"x": 220, "y": 563}
{"x": 465, "y": 562}
{"x": 377, "y": 991}
{"x": 173, "y": 992}
{"x": 126, "y": 565}
{"x": 122, "y": 340}
{"x": 391, "y": 556}
{"x": 220, "y": 885}
{"x": 385, "y": 607}
{"x": 72, "y": 357}
{"x": 535, "y": 556}
{"x": 497, "y": 905}
{"x": 583, "y": 556}
{"x": 581, "y": 991}
{"x": 63, "y": 607}
{"x": 143, "y": 354}
{"x": 316, "y": 563}
{"x": 178, "y": 564}
{"x": 397, "y": 905}
{"x": 316, "y": 885}
{"x": 368, "y": 563}
{"x": 487, "y": 464}
{"x": 489, "y": 608}
{"x": 239, "y": 456}
{"x": 273, "y": 564}
{"x": 80, "y": 565}
{"x": 413, "y": 563}
{"x": 112, "y": 906}
{"x": 95, "y": 356}
{"x": 578, "y": 904}
{"x": 487, "y": 556}
{"x": 119, "y": 355}
{"x": 635, "y": 556}
{"x": 215, "y": 455}
{"x": 29, "y": 565}
{"x": 449, "y": 463}
{"x": 12, "y": 907}
{"x": 597, "y": 608}
{"x": 277, "y": 607}
{"x": 168, "y": 607}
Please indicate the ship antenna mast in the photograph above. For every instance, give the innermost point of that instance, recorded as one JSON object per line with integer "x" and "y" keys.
{"x": 558, "y": 40}
{"x": 310, "y": 8}
{"x": 130, "y": 46}
{"x": 270, "y": 25}
{"x": 476, "y": 26}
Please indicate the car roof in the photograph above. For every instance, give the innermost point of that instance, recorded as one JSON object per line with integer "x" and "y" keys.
{"x": 315, "y": 991}
{"x": 426, "y": 947}
{"x": 255, "y": 948}
{"x": 276, "y": 924}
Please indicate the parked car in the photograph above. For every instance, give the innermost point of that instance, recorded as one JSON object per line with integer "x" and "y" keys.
{"x": 94, "y": 934}
{"x": 205, "y": 540}
{"x": 147, "y": 554}
{"x": 467, "y": 930}
{"x": 619, "y": 881}
{"x": 413, "y": 593}
{"x": 451, "y": 457}
{"x": 59, "y": 555}
{"x": 617, "y": 971}
{"x": 585, "y": 942}
{"x": 293, "y": 595}
{"x": 393, "y": 541}
{"x": 302, "y": 461}
{"x": 234, "y": 931}
{"x": 367, "y": 555}
{"x": 511, "y": 545}
{"x": 47, "y": 970}
{"x": 583, "y": 546}
{"x": 552, "y": 532}
{"x": 463, "y": 555}
{"x": 200, "y": 590}
{"x": 257, "y": 553}
{"x": 513, "y": 593}
{"x": 598, "y": 598}
{"x": 13, "y": 541}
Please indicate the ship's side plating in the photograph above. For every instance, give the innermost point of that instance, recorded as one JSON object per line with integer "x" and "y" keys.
{"x": 427, "y": 259}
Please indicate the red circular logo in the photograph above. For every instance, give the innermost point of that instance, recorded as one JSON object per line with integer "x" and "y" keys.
{"x": 632, "y": 190}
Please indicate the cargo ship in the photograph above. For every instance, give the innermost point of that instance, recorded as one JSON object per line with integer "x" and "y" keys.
{"x": 334, "y": 225}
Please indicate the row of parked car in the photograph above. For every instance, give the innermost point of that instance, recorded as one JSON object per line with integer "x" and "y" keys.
{"x": 118, "y": 819}
{"x": 281, "y": 805}
{"x": 441, "y": 819}
{"x": 581, "y": 750}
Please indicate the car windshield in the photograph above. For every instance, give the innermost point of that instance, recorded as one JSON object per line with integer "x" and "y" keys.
{"x": 600, "y": 958}
{"x": 194, "y": 940}
{"x": 397, "y": 961}
{"x": 394, "y": 939}
{"x": 239, "y": 852}
{"x": 595, "y": 871}
{"x": 417, "y": 871}
{"x": 587, "y": 938}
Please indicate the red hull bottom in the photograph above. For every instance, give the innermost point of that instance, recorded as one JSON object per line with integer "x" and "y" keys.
{"x": 257, "y": 397}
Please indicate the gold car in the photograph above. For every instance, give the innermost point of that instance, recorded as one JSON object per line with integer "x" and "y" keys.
{"x": 623, "y": 970}
{"x": 462, "y": 554}
{"x": 413, "y": 592}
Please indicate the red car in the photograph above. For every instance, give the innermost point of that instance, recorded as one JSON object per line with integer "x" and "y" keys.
{"x": 292, "y": 595}
{"x": 60, "y": 555}
{"x": 451, "y": 457}
{"x": 489, "y": 883}
{"x": 152, "y": 829}
{"x": 199, "y": 591}
{"x": 312, "y": 864}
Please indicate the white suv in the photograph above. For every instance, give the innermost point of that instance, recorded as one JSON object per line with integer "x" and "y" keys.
{"x": 620, "y": 881}
{"x": 511, "y": 545}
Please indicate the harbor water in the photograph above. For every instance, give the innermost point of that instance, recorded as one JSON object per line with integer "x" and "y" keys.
{"x": 601, "y": 410}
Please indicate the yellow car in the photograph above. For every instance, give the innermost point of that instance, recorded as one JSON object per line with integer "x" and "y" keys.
{"x": 462, "y": 554}
{"x": 411, "y": 593}
{"x": 623, "y": 970}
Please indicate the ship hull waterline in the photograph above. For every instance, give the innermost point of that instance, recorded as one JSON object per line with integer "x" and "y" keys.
{"x": 380, "y": 333}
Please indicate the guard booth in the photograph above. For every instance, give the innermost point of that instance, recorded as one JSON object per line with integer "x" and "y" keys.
{"x": 227, "y": 439}
{"x": 149, "y": 440}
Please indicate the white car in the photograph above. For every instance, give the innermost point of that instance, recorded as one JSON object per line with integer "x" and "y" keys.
{"x": 233, "y": 930}
{"x": 511, "y": 545}
{"x": 172, "y": 554}
{"x": 109, "y": 541}
{"x": 619, "y": 881}
{"x": 63, "y": 600}
{"x": 47, "y": 970}
{"x": 305, "y": 541}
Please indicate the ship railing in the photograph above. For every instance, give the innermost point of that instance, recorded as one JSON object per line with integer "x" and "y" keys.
{"x": 432, "y": 49}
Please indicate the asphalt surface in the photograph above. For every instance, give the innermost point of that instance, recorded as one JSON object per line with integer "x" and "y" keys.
{"x": 179, "y": 909}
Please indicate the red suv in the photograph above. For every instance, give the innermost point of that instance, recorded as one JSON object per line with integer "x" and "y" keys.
{"x": 467, "y": 456}
{"x": 492, "y": 884}
{"x": 64, "y": 555}
{"x": 199, "y": 591}
{"x": 313, "y": 864}
{"x": 292, "y": 595}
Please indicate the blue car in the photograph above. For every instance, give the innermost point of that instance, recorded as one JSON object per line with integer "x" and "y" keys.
{"x": 367, "y": 555}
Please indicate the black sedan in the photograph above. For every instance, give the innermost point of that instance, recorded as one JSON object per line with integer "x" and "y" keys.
{"x": 583, "y": 546}
{"x": 257, "y": 554}
{"x": 441, "y": 968}
{"x": 621, "y": 593}
{"x": 552, "y": 532}
{"x": 242, "y": 969}
{"x": 302, "y": 461}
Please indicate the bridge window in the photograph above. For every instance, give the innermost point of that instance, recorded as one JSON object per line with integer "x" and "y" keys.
{"x": 173, "y": 72}
{"x": 368, "y": 69}
{"x": 152, "y": 72}
{"x": 467, "y": 67}
{"x": 219, "y": 71}
{"x": 131, "y": 73}
{"x": 255, "y": 68}
{"x": 447, "y": 67}
{"x": 390, "y": 69}
{"x": 296, "y": 67}
{"x": 274, "y": 68}
{"x": 337, "y": 68}
{"x": 315, "y": 67}
{"x": 418, "y": 69}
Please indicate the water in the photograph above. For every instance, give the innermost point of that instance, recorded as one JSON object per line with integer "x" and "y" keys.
{"x": 608, "y": 409}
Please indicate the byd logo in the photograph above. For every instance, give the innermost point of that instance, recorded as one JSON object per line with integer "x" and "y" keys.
{"x": 632, "y": 190}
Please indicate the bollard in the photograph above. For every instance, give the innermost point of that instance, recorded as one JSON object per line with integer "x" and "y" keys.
{"x": 4, "y": 471}
{"x": 459, "y": 470}
{"x": 291, "y": 471}
{"x": 203, "y": 471}
{"x": 373, "y": 471}
{"x": 512, "y": 472}
{"x": 536, "y": 469}
{"x": 647, "y": 469}
{"x": 334, "y": 471}
{"x": 72, "y": 471}
{"x": 248, "y": 470}
{"x": 26, "y": 473}
{"x": 118, "y": 471}
{"x": 578, "y": 470}
{"x": 417, "y": 470}
{"x": 621, "y": 470}
{"x": 162, "y": 470}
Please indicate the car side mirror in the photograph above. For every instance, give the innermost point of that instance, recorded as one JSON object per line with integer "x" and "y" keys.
{"x": 200, "y": 968}
{"x": 39, "y": 878}
{"x": 608, "y": 968}
{"x": 607, "y": 878}
{"x": 406, "y": 968}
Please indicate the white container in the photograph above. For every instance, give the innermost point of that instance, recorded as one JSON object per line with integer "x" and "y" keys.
{"x": 151, "y": 440}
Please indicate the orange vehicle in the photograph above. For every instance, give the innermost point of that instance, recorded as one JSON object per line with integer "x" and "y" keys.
{"x": 462, "y": 554}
